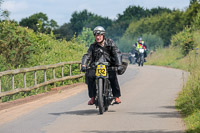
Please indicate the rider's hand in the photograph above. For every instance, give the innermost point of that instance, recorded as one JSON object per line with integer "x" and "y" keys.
{"x": 120, "y": 68}
{"x": 83, "y": 68}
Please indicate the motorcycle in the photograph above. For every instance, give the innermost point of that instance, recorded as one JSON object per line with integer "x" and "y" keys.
{"x": 132, "y": 58}
{"x": 140, "y": 59}
{"x": 104, "y": 95}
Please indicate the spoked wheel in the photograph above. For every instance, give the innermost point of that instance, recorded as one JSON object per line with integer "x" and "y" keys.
{"x": 100, "y": 96}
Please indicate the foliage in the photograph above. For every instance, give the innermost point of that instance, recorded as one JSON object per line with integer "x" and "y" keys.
{"x": 15, "y": 44}
{"x": 80, "y": 20}
{"x": 86, "y": 37}
{"x": 131, "y": 15}
{"x": 39, "y": 22}
{"x": 64, "y": 32}
{"x": 184, "y": 40}
{"x": 153, "y": 42}
{"x": 196, "y": 22}
{"x": 125, "y": 44}
{"x": 191, "y": 13}
{"x": 4, "y": 14}
{"x": 165, "y": 57}
{"x": 164, "y": 25}
{"x": 22, "y": 47}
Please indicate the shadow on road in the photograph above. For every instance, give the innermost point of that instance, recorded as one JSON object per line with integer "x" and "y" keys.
{"x": 80, "y": 112}
{"x": 77, "y": 112}
{"x": 139, "y": 131}
{"x": 173, "y": 114}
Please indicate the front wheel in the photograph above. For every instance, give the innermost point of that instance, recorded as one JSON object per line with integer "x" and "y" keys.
{"x": 142, "y": 60}
{"x": 100, "y": 96}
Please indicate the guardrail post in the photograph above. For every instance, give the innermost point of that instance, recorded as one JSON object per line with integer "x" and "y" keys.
{"x": 35, "y": 77}
{"x": 13, "y": 82}
{"x": 24, "y": 78}
{"x": 70, "y": 71}
{"x": 54, "y": 76}
{"x": 0, "y": 85}
{"x": 62, "y": 73}
{"x": 45, "y": 79}
{"x": 80, "y": 67}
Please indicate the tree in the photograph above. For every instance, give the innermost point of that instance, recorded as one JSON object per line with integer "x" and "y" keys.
{"x": 86, "y": 37}
{"x": 15, "y": 44}
{"x": 39, "y": 22}
{"x": 132, "y": 14}
{"x": 194, "y": 1}
{"x": 64, "y": 32}
{"x": 4, "y": 14}
{"x": 78, "y": 21}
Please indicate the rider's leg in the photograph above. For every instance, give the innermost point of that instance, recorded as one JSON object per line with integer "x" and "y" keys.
{"x": 115, "y": 85}
{"x": 91, "y": 86}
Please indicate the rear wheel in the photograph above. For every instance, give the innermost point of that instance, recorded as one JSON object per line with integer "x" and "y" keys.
{"x": 100, "y": 96}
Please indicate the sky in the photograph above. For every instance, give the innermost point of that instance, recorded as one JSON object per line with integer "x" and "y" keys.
{"x": 61, "y": 10}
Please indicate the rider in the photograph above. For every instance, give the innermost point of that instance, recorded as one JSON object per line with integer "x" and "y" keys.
{"x": 103, "y": 49}
{"x": 141, "y": 44}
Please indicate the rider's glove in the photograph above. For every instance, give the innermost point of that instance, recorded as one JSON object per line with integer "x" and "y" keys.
{"x": 83, "y": 69}
{"x": 120, "y": 68}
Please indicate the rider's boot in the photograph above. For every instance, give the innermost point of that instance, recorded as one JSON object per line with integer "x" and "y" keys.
{"x": 91, "y": 102}
{"x": 117, "y": 100}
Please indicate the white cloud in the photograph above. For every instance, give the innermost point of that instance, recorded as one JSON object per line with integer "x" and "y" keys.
{"x": 14, "y": 6}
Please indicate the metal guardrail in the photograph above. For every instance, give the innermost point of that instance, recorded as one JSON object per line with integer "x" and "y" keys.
{"x": 12, "y": 73}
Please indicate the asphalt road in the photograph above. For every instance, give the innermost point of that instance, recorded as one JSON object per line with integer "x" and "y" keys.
{"x": 148, "y": 106}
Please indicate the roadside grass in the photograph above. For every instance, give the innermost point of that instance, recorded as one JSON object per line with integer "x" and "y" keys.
{"x": 188, "y": 101}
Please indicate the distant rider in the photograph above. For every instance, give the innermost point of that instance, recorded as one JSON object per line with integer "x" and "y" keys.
{"x": 141, "y": 44}
{"x": 103, "y": 49}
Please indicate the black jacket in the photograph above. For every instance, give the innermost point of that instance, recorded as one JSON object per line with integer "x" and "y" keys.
{"x": 110, "y": 52}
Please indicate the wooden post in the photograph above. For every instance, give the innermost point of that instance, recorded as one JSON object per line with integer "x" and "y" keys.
{"x": 54, "y": 76}
{"x": 35, "y": 77}
{"x": 13, "y": 82}
{"x": 0, "y": 84}
{"x": 80, "y": 67}
{"x": 62, "y": 74}
{"x": 24, "y": 78}
{"x": 45, "y": 79}
{"x": 70, "y": 71}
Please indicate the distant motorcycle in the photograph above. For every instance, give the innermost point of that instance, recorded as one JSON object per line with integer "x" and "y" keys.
{"x": 132, "y": 58}
{"x": 140, "y": 59}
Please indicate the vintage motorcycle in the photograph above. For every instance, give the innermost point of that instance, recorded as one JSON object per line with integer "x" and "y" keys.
{"x": 104, "y": 95}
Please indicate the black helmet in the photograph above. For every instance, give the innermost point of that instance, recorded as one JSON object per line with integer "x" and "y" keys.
{"x": 99, "y": 30}
{"x": 139, "y": 39}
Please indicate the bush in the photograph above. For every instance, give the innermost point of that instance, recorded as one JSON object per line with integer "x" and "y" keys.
{"x": 184, "y": 40}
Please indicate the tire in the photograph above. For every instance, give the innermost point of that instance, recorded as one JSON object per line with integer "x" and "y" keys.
{"x": 139, "y": 61}
{"x": 107, "y": 94}
{"x": 100, "y": 96}
{"x": 142, "y": 60}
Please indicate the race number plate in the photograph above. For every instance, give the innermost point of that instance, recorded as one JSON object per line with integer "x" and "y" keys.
{"x": 101, "y": 70}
